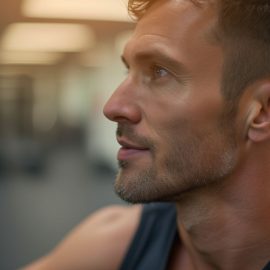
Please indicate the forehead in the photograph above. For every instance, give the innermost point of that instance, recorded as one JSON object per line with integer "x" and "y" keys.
{"x": 175, "y": 23}
{"x": 178, "y": 34}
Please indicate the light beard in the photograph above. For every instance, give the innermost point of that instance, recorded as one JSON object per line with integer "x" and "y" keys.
{"x": 195, "y": 163}
{"x": 136, "y": 188}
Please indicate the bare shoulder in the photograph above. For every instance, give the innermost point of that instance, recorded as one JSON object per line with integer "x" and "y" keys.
{"x": 99, "y": 242}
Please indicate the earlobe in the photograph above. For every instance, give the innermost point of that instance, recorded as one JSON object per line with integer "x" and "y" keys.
{"x": 259, "y": 120}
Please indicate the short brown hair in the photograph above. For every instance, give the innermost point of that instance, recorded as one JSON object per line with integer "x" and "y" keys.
{"x": 137, "y": 8}
{"x": 244, "y": 27}
{"x": 244, "y": 32}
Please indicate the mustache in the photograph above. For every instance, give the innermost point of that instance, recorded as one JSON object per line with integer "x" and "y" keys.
{"x": 125, "y": 130}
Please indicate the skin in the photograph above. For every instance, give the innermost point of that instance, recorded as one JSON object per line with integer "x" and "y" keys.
{"x": 178, "y": 144}
{"x": 221, "y": 219}
{"x": 174, "y": 112}
{"x": 98, "y": 243}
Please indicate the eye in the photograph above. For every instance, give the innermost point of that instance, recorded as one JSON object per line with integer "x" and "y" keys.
{"x": 159, "y": 72}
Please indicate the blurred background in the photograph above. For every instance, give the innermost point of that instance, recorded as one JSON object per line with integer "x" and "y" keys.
{"x": 59, "y": 62}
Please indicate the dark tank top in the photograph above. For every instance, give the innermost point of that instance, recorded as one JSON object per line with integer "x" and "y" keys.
{"x": 151, "y": 245}
{"x": 153, "y": 241}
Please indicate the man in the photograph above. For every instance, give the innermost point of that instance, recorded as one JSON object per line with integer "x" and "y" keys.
{"x": 193, "y": 120}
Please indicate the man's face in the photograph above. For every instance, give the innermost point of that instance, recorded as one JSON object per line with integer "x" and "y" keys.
{"x": 174, "y": 134}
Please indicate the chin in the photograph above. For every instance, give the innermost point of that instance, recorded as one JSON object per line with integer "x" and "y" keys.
{"x": 142, "y": 188}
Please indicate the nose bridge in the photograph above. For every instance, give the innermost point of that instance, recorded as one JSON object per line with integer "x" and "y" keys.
{"x": 122, "y": 105}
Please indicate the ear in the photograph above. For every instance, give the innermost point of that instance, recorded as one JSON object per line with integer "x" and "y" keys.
{"x": 259, "y": 118}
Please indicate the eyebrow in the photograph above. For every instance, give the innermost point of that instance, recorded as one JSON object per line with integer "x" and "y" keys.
{"x": 159, "y": 57}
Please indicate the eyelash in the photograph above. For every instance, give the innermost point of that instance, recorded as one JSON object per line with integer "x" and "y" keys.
{"x": 153, "y": 72}
{"x": 156, "y": 71}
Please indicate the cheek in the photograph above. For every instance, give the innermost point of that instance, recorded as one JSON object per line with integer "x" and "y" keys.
{"x": 173, "y": 117}
{"x": 169, "y": 130}
{"x": 167, "y": 120}
{"x": 205, "y": 112}
{"x": 167, "y": 112}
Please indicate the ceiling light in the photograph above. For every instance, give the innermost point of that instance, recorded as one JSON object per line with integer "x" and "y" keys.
{"x": 108, "y": 10}
{"x": 29, "y": 58}
{"x": 50, "y": 37}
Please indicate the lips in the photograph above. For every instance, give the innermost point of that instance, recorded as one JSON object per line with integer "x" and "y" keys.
{"x": 130, "y": 150}
{"x": 128, "y": 145}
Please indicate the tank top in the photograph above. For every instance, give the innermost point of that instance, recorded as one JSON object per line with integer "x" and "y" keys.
{"x": 151, "y": 245}
{"x": 153, "y": 241}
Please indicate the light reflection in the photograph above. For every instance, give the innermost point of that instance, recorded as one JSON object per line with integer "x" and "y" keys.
{"x": 47, "y": 37}
{"x": 106, "y": 10}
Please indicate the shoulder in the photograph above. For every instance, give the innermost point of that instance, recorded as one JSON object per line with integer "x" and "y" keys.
{"x": 99, "y": 242}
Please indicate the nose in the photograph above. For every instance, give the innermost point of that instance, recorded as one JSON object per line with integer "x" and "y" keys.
{"x": 122, "y": 105}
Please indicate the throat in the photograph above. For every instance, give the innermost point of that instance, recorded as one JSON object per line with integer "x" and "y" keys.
{"x": 217, "y": 235}
{"x": 179, "y": 257}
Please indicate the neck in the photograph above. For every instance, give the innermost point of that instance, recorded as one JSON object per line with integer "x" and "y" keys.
{"x": 227, "y": 227}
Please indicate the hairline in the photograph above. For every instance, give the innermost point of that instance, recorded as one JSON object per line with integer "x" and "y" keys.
{"x": 238, "y": 70}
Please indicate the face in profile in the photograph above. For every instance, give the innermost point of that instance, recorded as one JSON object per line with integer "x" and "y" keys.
{"x": 174, "y": 134}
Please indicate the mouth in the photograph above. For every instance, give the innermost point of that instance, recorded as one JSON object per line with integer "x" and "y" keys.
{"x": 130, "y": 150}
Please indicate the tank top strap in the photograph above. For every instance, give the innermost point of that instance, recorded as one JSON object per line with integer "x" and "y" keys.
{"x": 152, "y": 243}
{"x": 267, "y": 267}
